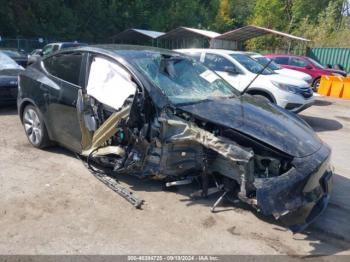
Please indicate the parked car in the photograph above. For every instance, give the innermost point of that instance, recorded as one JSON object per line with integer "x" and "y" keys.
{"x": 19, "y": 56}
{"x": 279, "y": 69}
{"x": 158, "y": 114}
{"x": 37, "y": 54}
{"x": 239, "y": 70}
{"x": 9, "y": 71}
{"x": 306, "y": 65}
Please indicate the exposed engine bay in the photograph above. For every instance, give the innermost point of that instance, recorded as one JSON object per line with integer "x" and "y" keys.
{"x": 175, "y": 147}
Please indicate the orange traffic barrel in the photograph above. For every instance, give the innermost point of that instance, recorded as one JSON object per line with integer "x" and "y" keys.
{"x": 337, "y": 86}
{"x": 325, "y": 86}
{"x": 346, "y": 89}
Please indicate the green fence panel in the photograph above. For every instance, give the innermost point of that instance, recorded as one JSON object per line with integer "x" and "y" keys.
{"x": 331, "y": 56}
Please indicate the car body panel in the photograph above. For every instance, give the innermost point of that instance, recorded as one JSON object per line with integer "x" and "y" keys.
{"x": 177, "y": 142}
{"x": 9, "y": 72}
{"x": 280, "y": 70}
{"x": 244, "y": 115}
{"x": 263, "y": 83}
{"x": 312, "y": 70}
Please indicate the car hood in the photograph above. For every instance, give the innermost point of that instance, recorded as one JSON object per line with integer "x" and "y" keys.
{"x": 340, "y": 72}
{"x": 288, "y": 80}
{"x": 10, "y": 72}
{"x": 293, "y": 73}
{"x": 262, "y": 121}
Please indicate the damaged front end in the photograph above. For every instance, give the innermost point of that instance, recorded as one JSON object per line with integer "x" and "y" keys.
{"x": 222, "y": 149}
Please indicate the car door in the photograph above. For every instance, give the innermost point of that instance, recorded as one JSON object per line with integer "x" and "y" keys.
{"x": 299, "y": 64}
{"x": 65, "y": 70}
{"x": 225, "y": 68}
{"x": 281, "y": 60}
{"x": 108, "y": 82}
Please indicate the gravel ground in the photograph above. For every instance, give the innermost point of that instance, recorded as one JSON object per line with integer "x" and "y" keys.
{"x": 51, "y": 204}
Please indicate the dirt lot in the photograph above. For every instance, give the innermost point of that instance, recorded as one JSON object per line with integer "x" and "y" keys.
{"x": 51, "y": 204}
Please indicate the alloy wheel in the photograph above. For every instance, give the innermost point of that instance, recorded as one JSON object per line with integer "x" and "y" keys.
{"x": 32, "y": 126}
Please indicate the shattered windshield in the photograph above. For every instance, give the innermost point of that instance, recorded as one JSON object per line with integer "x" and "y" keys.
{"x": 183, "y": 80}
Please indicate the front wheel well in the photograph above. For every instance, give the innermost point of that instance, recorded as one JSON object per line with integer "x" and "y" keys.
{"x": 316, "y": 78}
{"x": 21, "y": 108}
{"x": 262, "y": 93}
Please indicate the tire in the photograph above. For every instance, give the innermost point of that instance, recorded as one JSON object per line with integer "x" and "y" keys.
{"x": 34, "y": 127}
{"x": 263, "y": 98}
{"x": 316, "y": 84}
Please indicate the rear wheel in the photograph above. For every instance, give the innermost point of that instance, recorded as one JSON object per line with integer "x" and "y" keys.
{"x": 34, "y": 127}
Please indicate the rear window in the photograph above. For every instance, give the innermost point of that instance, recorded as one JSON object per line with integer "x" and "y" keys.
{"x": 65, "y": 66}
{"x": 282, "y": 60}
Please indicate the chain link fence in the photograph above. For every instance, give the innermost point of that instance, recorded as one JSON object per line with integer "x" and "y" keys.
{"x": 25, "y": 44}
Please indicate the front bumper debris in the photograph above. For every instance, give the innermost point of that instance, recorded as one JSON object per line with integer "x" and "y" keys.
{"x": 299, "y": 196}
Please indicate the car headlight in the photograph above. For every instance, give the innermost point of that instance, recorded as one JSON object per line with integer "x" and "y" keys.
{"x": 308, "y": 79}
{"x": 286, "y": 87}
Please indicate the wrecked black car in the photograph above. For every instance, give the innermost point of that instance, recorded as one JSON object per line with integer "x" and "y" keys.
{"x": 158, "y": 114}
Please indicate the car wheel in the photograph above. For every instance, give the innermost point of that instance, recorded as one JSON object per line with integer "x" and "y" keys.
{"x": 316, "y": 84}
{"x": 34, "y": 127}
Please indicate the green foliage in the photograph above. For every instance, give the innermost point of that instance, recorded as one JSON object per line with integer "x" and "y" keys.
{"x": 224, "y": 20}
{"x": 97, "y": 21}
{"x": 327, "y": 30}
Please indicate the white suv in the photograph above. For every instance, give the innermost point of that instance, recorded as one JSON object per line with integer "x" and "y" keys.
{"x": 239, "y": 70}
{"x": 279, "y": 69}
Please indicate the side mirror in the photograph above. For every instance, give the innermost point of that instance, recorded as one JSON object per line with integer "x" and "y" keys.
{"x": 308, "y": 67}
{"x": 231, "y": 70}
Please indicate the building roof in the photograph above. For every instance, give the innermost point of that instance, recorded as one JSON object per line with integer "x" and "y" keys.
{"x": 251, "y": 31}
{"x": 184, "y": 32}
{"x": 137, "y": 34}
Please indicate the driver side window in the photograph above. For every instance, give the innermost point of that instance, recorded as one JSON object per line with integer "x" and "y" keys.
{"x": 218, "y": 63}
{"x": 109, "y": 83}
{"x": 294, "y": 61}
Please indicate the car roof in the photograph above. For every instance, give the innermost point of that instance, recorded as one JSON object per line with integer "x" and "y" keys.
{"x": 285, "y": 55}
{"x": 116, "y": 50}
{"x": 60, "y": 43}
{"x": 211, "y": 50}
{"x": 253, "y": 54}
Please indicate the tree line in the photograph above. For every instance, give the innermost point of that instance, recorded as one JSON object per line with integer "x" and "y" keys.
{"x": 326, "y": 22}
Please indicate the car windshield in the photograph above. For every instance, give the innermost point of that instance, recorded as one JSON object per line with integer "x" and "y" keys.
{"x": 264, "y": 60}
{"x": 183, "y": 80}
{"x": 7, "y": 63}
{"x": 251, "y": 65}
{"x": 316, "y": 63}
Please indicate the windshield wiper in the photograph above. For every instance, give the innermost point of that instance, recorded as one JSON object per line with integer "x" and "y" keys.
{"x": 251, "y": 82}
